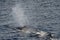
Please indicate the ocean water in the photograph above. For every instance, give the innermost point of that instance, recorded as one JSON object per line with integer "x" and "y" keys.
{"x": 41, "y": 14}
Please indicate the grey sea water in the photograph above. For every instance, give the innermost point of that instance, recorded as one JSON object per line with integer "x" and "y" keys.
{"x": 41, "y": 14}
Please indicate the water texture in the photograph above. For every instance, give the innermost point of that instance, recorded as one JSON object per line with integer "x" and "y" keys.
{"x": 41, "y": 14}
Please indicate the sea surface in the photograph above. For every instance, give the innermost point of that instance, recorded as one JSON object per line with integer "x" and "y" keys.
{"x": 41, "y": 14}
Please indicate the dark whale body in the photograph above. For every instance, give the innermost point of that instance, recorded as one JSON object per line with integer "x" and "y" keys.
{"x": 34, "y": 33}
{"x": 46, "y": 36}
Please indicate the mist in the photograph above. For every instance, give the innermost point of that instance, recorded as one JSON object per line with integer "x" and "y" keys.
{"x": 19, "y": 16}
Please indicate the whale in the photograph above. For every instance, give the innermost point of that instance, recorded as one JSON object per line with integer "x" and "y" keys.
{"x": 35, "y": 32}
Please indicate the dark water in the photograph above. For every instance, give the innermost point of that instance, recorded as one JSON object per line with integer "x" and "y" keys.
{"x": 41, "y": 14}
